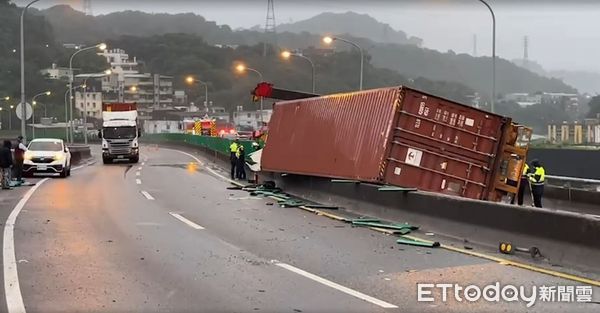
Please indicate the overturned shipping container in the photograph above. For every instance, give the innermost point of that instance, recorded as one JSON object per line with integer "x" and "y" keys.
{"x": 398, "y": 136}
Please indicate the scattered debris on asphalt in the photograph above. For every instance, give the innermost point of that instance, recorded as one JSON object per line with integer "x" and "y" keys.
{"x": 414, "y": 242}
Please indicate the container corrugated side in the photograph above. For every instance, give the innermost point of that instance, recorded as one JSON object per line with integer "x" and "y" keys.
{"x": 442, "y": 146}
{"x": 340, "y": 136}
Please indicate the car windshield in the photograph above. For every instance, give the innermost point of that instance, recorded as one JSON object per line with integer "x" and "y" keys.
{"x": 119, "y": 132}
{"x": 45, "y": 146}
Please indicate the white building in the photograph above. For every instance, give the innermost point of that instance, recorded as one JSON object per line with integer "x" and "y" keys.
{"x": 162, "y": 126}
{"x": 93, "y": 101}
{"x": 127, "y": 84}
{"x": 251, "y": 118}
{"x": 524, "y": 99}
{"x": 56, "y": 72}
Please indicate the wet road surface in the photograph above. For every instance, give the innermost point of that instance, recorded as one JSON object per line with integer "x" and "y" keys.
{"x": 166, "y": 235}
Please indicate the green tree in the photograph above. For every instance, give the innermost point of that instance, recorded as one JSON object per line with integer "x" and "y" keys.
{"x": 594, "y": 105}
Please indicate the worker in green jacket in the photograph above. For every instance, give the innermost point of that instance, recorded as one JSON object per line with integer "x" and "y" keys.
{"x": 537, "y": 178}
{"x": 233, "y": 149}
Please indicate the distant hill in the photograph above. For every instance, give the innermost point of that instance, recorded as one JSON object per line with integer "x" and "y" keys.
{"x": 357, "y": 25}
{"x": 474, "y": 72}
{"x": 408, "y": 58}
{"x": 584, "y": 81}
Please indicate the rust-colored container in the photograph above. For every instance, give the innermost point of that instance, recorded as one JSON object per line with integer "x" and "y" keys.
{"x": 119, "y": 106}
{"x": 339, "y": 136}
{"x": 397, "y": 136}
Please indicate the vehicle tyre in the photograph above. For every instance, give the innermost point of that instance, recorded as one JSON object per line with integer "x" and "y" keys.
{"x": 63, "y": 173}
{"x": 69, "y": 171}
{"x": 135, "y": 159}
{"x": 106, "y": 161}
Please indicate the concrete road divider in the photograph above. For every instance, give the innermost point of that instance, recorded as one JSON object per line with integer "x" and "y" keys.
{"x": 79, "y": 153}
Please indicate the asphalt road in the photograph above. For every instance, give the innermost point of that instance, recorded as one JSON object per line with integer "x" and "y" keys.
{"x": 166, "y": 235}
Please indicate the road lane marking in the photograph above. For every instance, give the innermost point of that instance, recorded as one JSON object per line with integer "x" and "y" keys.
{"x": 147, "y": 195}
{"x": 12, "y": 290}
{"x": 143, "y": 163}
{"x": 206, "y": 167}
{"x": 137, "y": 173}
{"x": 186, "y": 221}
{"x": 336, "y": 286}
{"x": 138, "y": 181}
{"x": 502, "y": 261}
{"x": 139, "y": 168}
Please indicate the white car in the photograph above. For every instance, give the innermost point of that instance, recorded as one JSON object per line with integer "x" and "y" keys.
{"x": 47, "y": 156}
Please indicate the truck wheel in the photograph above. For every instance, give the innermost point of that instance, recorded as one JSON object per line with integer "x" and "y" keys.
{"x": 106, "y": 160}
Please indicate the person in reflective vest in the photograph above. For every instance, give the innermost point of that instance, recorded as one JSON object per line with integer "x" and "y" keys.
{"x": 241, "y": 163}
{"x": 233, "y": 149}
{"x": 523, "y": 184}
{"x": 537, "y": 178}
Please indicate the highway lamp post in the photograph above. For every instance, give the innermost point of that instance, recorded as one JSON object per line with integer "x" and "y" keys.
{"x": 241, "y": 68}
{"x": 33, "y": 103}
{"x": 3, "y": 99}
{"x": 85, "y": 112}
{"x": 190, "y": 80}
{"x": 328, "y": 40}
{"x": 23, "y": 104}
{"x": 67, "y": 127}
{"x": 10, "y": 117}
{"x": 493, "y": 54}
{"x": 287, "y": 54}
{"x": 100, "y": 46}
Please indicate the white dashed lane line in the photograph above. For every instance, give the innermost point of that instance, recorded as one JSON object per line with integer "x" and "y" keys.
{"x": 186, "y": 221}
{"x": 138, "y": 181}
{"x": 147, "y": 195}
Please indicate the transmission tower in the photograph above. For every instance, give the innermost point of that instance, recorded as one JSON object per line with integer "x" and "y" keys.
{"x": 87, "y": 7}
{"x": 270, "y": 30}
{"x": 525, "y": 50}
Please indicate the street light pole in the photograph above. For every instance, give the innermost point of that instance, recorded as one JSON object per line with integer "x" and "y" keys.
{"x": 23, "y": 104}
{"x": 101, "y": 46}
{"x": 33, "y": 103}
{"x": 329, "y": 40}
{"x": 287, "y": 54}
{"x": 493, "y": 53}
{"x": 261, "y": 98}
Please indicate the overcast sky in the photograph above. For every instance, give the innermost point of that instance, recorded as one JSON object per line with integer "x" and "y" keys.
{"x": 562, "y": 34}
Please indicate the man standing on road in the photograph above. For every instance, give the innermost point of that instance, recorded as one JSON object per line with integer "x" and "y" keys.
{"x": 19, "y": 158}
{"x": 6, "y": 162}
{"x": 537, "y": 177}
{"x": 233, "y": 149}
{"x": 523, "y": 184}
{"x": 241, "y": 163}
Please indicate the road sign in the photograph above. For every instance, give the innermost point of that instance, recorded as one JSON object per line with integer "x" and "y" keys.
{"x": 28, "y": 111}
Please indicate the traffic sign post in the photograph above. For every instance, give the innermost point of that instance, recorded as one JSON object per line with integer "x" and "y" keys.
{"x": 28, "y": 111}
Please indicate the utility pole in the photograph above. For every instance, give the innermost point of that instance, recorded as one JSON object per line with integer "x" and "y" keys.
{"x": 270, "y": 27}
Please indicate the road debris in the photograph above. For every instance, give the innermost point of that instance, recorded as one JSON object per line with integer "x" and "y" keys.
{"x": 414, "y": 242}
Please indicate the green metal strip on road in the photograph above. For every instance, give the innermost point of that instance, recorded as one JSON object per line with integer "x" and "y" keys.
{"x": 394, "y": 188}
{"x": 420, "y": 243}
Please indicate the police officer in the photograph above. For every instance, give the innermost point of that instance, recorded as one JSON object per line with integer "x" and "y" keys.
{"x": 20, "y": 150}
{"x": 537, "y": 178}
{"x": 233, "y": 149}
{"x": 241, "y": 163}
{"x": 523, "y": 184}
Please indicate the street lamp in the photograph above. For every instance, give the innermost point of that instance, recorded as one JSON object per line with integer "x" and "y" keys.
{"x": 329, "y": 40}
{"x": 493, "y": 53}
{"x": 33, "y": 103}
{"x": 241, "y": 68}
{"x": 84, "y": 86}
{"x": 23, "y": 130}
{"x": 287, "y": 55}
{"x": 100, "y": 46}
{"x": 190, "y": 80}
{"x": 10, "y": 117}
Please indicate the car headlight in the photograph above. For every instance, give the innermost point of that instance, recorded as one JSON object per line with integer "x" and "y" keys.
{"x": 59, "y": 156}
{"x": 27, "y": 156}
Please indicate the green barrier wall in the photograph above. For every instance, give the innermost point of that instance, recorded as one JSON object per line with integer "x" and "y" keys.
{"x": 220, "y": 145}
